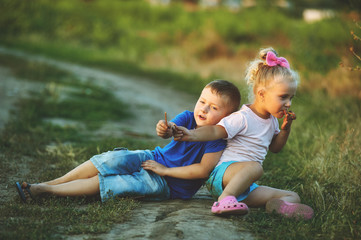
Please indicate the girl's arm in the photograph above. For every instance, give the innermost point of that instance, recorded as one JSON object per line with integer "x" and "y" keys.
{"x": 279, "y": 141}
{"x": 201, "y": 134}
{"x": 194, "y": 171}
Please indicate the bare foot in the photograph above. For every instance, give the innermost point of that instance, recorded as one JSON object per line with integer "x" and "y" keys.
{"x": 31, "y": 190}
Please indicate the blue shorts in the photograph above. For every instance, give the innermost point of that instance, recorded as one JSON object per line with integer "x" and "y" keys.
{"x": 121, "y": 174}
{"x": 214, "y": 182}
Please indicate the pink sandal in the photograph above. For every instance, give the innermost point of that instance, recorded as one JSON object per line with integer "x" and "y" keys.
{"x": 229, "y": 205}
{"x": 289, "y": 210}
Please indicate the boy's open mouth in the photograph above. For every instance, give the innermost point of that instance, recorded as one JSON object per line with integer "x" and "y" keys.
{"x": 201, "y": 117}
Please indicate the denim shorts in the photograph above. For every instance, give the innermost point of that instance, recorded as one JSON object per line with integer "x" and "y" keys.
{"x": 214, "y": 182}
{"x": 121, "y": 174}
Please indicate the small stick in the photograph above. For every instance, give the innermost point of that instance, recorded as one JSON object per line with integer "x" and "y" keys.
{"x": 292, "y": 114}
{"x": 165, "y": 116}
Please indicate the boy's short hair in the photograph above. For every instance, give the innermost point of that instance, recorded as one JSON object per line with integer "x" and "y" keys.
{"x": 226, "y": 89}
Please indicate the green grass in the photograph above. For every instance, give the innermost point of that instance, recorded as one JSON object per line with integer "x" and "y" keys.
{"x": 48, "y": 217}
{"x": 106, "y": 34}
{"x": 321, "y": 162}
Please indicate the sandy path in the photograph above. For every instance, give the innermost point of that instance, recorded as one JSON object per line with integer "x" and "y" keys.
{"x": 12, "y": 88}
{"x": 169, "y": 220}
{"x": 148, "y": 101}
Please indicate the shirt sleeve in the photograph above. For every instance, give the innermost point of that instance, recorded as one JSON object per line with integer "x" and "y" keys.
{"x": 233, "y": 124}
{"x": 277, "y": 126}
{"x": 181, "y": 119}
{"x": 215, "y": 146}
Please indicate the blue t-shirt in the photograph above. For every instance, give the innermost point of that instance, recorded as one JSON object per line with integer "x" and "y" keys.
{"x": 178, "y": 154}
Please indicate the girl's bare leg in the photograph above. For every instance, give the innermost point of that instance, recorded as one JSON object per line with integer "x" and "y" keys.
{"x": 79, "y": 187}
{"x": 239, "y": 176}
{"x": 261, "y": 195}
{"x": 83, "y": 171}
{"x": 285, "y": 203}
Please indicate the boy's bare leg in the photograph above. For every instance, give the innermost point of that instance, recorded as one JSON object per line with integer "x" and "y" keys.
{"x": 261, "y": 195}
{"x": 239, "y": 176}
{"x": 79, "y": 187}
{"x": 83, "y": 171}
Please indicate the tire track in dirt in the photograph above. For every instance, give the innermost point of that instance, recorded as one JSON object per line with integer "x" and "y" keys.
{"x": 147, "y": 101}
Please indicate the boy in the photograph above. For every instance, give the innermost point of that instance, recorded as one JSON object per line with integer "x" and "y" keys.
{"x": 184, "y": 165}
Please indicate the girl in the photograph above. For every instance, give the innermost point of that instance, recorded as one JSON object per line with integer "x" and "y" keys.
{"x": 250, "y": 133}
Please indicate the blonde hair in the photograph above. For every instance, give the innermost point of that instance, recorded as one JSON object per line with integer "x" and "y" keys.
{"x": 259, "y": 74}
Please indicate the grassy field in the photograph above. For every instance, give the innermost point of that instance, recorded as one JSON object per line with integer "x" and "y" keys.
{"x": 321, "y": 161}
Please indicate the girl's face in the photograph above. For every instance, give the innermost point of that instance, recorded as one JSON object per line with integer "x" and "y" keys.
{"x": 210, "y": 108}
{"x": 279, "y": 98}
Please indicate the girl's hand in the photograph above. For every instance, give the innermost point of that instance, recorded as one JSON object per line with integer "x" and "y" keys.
{"x": 155, "y": 167}
{"x": 287, "y": 121}
{"x": 182, "y": 134}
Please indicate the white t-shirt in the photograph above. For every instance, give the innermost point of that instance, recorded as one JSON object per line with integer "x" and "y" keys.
{"x": 249, "y": 136}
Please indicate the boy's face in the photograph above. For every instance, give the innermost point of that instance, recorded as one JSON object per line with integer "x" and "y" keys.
{"x": 210, "y": 108}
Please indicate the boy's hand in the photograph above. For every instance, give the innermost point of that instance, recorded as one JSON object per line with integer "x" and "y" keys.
{"x": 287, "y": 121}
{"x": 164, "y": 129}
{"x": 155, "y": 167}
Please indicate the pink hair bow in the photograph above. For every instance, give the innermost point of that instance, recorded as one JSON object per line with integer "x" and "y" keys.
{"x": 273, "y": 60}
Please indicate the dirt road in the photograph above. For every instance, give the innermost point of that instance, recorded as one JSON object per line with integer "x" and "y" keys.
{"x": 147, "y": 100}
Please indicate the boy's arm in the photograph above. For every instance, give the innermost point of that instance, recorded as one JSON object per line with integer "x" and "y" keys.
{"x": 280, "y": 140}
{"x": 194, "y": 171}
{"x": 201, "y": 134}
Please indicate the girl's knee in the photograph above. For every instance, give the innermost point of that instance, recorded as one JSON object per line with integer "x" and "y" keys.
{"x": 258, "y": 171}
{"x": 254, "y": 170}
{"x": 291, "y": 196}
{"x": 296, "y": 196}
